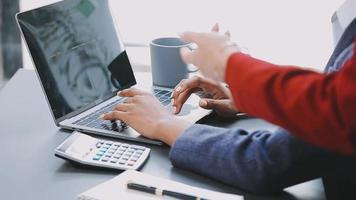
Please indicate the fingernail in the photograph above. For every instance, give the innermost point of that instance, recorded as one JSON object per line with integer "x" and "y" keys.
{"x": 203, "y": 103}
{"x": 179, "y": 89}
{"x": 174, "y": 110}
{"x": 102, "y": 116}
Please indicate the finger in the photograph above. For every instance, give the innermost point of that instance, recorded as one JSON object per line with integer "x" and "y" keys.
{"x": 211, "y": 103}
{"x": 187, "y": 55}
{"x": 124, "y": 107}
{"x": 182, "y": 98}
{"x": 177, "y": 89}
{"x": 128, "y": 100}
{"x": 131, "y": 92}
{"x": 215, "y": 28}
{"x": 114, "y": 115}
{"x": 186, "y": 84}
{"x": 192, "y": 37}
{"x": 228, "y": 34}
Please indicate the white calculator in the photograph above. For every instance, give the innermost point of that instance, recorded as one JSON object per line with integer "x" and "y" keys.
{"x": 86, "y": 150}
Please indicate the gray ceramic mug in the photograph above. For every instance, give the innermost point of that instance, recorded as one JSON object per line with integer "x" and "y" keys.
{"x": 168, "y": 68}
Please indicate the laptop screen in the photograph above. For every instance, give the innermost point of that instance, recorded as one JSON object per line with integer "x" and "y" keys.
{"x": 77, "y": 53}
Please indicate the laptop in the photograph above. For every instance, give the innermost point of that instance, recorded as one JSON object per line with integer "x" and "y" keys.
{"x": 81, "y": 63}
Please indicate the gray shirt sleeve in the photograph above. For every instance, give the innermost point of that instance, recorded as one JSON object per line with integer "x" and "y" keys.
{"x": 259, "y": 162}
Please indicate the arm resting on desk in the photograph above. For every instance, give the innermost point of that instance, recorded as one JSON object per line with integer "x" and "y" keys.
{"x": 259, "y": 162}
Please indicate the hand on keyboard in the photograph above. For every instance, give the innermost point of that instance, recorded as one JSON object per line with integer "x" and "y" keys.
{"x": 144, "y": 113}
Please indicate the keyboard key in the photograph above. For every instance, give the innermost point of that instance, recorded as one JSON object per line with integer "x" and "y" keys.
{"x": 166, "y": 102}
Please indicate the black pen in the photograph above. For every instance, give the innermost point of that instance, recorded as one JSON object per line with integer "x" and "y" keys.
{"x": 160, "y": 192}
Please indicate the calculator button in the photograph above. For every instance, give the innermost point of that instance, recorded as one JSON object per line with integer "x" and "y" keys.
{"x": 122, "y": 162}
{"x": 114, "y": 160}
{"x": 127, "y": 156}
{"x": 108, "y": 143}
{"x": 130, "y": 163}
{"x": 125, "y": 145}
{"x": 113, "y": 148}
{"x": 104, "y": 148}
{"x": 105, "y": 159}
{"x": 97, "y": 157}
{"x": 111, "y": 151}
{"x": 109, "y": 154}
{"x": 117, "y": 157}
{"x": 100, "y": 153}
{"x": 137, "y": 147}
{"x": 117, "y": 144}
{"x": 120, "y": 152}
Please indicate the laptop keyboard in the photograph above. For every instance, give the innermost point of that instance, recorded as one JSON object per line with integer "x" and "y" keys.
{"x": 164, "y": 96}
{"x": 92, "y": 120}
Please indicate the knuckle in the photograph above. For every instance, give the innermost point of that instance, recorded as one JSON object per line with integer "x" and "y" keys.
{"x": 135, "y": 99}
{"x": 182, "y": 82}
{"x": 128, "y": 100}
{"x": 199, "y": 79}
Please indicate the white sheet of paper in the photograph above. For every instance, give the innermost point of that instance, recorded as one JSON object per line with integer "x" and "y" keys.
{"x": 116, "y": 189}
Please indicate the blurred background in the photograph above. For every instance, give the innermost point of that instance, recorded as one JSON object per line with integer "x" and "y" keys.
{"x": 279, "y": 31}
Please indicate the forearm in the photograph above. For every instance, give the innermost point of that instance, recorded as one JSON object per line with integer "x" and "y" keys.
{"x": 259, "y": 162}
{"x": 314, "y": 106}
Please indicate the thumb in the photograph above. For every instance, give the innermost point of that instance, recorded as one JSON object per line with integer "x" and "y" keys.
{"x": 210, "y": 103}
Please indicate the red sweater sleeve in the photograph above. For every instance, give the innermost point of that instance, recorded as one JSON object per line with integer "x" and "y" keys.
{"x": 319, "y": 108}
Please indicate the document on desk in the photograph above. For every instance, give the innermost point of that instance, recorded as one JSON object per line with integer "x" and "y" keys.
{"x": 116, "y": 189}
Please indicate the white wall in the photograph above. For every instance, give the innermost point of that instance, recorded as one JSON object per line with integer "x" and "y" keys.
{"x": 280, "y": 31}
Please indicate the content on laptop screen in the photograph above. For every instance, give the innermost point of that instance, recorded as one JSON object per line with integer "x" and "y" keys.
{"x": 77, "y": 53}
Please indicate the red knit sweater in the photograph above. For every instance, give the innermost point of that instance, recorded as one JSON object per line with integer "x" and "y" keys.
{"x": 319, "y": 108}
